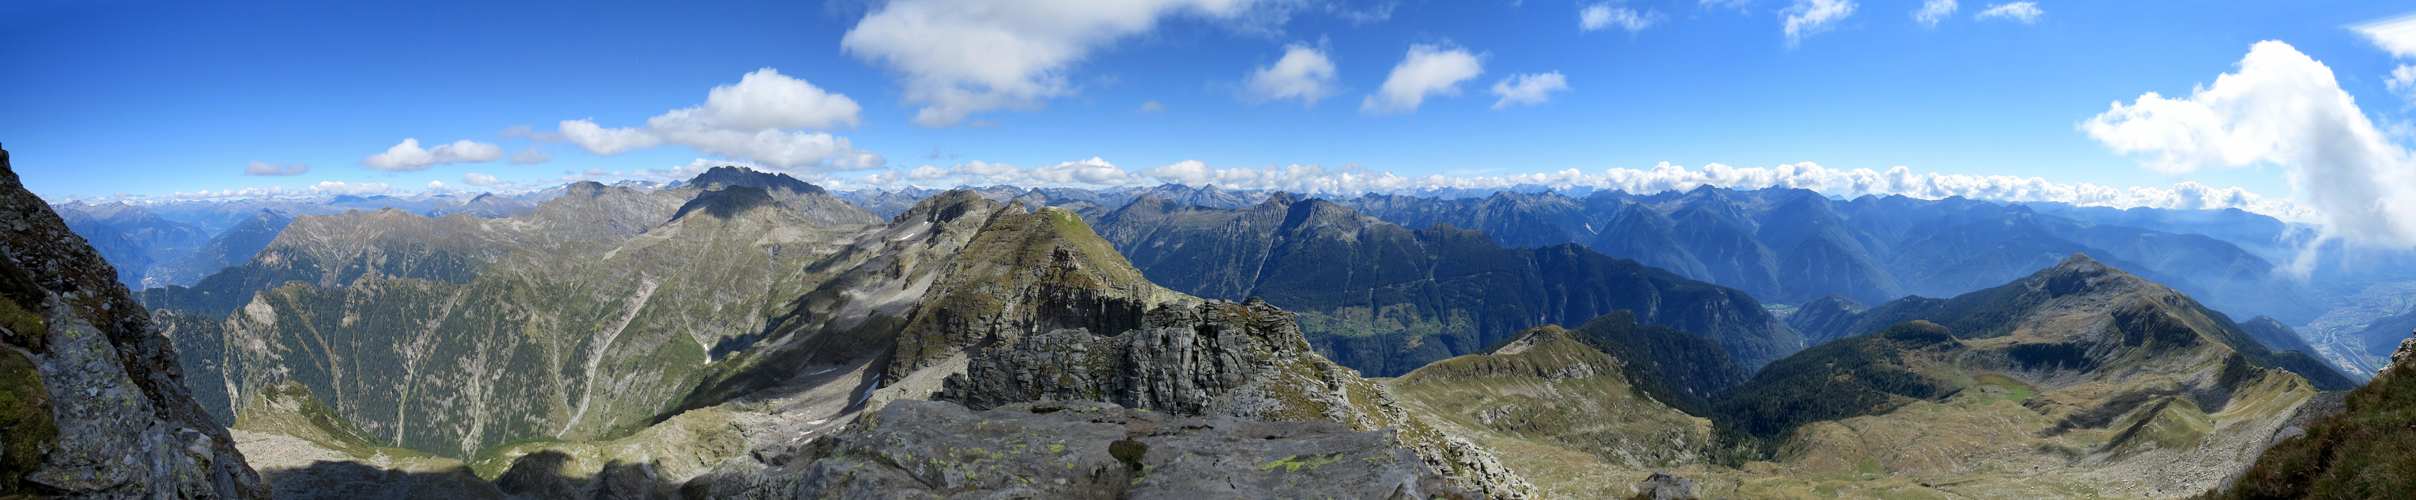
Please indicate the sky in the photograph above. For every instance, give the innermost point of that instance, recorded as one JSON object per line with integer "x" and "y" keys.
{"x": 2299, "y": 109}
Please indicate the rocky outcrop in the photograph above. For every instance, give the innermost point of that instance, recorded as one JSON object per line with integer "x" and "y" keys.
{"x": 92, "y": 404}
{"x": 1087, "y": 450}
{"x": 1244, "y": 360}
{"x": 1663, "y": 486}
{"x": 2407, "y": 350}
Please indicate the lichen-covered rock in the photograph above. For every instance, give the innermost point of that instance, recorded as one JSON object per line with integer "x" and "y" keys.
{"x": 92, "y": 404}
{"x": 920, "y": 449}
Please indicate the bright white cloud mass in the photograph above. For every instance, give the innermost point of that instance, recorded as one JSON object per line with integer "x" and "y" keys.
{"x": 1933, "y": 11}
{"x": 960, "y": 57}
{"x": 1304, "y": 73}
{"x": 1603, "y": 15}
{"x": 1810, "y": 17}
{"x": 2026, "y": 12}
{"x": 2285, "y": 109}
{"x": 752, "y": 120}
{"x": 2397, "y": 36}
{"x": 408, "y": 155}
{"x": 1426, "y": 70}
{"x": 1528, "y": 89}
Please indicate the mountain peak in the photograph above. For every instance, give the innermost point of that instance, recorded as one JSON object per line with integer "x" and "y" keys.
{"x": 724, "y": 176}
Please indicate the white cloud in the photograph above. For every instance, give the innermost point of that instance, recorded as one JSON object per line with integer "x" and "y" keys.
{"x": 1603, "y": 15}
{"x": 601, "y": 141}
{"x": 1528, "y": 89}
{"x": 1426, "y": 70}
{"x": 1151, "y": 107}
{"x": 438, "y": 186}
{"x": 266, "y": 168}
{"x": 2286, "y": 109}
{"x": 1304, "y": 73}
{"x": 408, "y": 155}
{"x": 1091, "y": 172}
{"x": 482, "y": 180}
{"x": 753, "y": 120}
{"x": 531, "y": 156}
{"x": 1811, "y": 17}
{"x": 348, "y": 188}
{"x": 2397, "y": 36}
{"x": 1733, "y": 4}
{"x": 960, "y": 57}
{"x": 1933, "y": 11}
{"x": 2026, "y": 12}
{"x": 527, "y": 132}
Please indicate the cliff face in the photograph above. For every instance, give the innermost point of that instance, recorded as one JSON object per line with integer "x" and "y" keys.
{"x": 94, "y": 403}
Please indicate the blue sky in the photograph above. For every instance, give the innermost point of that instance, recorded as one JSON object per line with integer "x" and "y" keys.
{"x": 155, "y": 99}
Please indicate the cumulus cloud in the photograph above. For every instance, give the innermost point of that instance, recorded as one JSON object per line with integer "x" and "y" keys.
{"x": 1603, "y": 15}
{"x": 531, "y": 156}
{"x": 960, "y": 57}
{"x": 266, "y": 168}
{"x": 1528, "y": 89}
{"x": 482, "y": 180}
{"x": 755, "y": 120}
{"x": 2285, "y": 109}
{"x": 1811, "y": 17}
{"x": 408, "y": 155}
{"x": 1304, "y": 73}
{"x": 439, "y": 186}
{"x": 1933, "y": 11}
{"x": 2397, "y": 36}
{"x": 1426, "y": 70}
{"x": 2026, "y": 12}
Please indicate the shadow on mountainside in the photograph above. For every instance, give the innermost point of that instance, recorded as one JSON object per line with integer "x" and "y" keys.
{"x": 537, "y": 476}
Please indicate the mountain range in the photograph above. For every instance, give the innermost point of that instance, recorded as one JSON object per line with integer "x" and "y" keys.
{"x": 750, "y": 335}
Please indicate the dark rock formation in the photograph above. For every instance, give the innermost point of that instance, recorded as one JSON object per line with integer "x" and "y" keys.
{"x": 919, "y": 449}
{"x": 92, "y": 404}
{"x": 1663, "y": 486}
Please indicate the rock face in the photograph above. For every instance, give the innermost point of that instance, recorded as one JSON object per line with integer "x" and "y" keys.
{"x": 1662, "y": 486}
{"x": 1087, "y": 450}
{"x": 1245, "y": 360}
{"x": 92, "y": 403}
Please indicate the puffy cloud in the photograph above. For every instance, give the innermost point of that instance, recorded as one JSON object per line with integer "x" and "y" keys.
{"x": 2026, "y": 12}
{"x": 960, "y": 57}
{"x": 1603, "y": 15}
{"x": 1426, "y": 70}
{"x": 1811, "y": 17}
{"x": 482, "y": 180}
{"x": 1528, "y": 89}
{"x": 1933, "y": 11}
{"x": 754, "y": 120}
{"x": 408, "y": 155}
{"x": 601, "y": 141}
{"x": 266, "y": 168}
{"x": 439, "y": 186}
{"x": 2397, "y": 36}
{"x": 2286, "y": 109}
{"x": 531, "y": 156}
{"x": 1151, "y": 107}
{"x": 1304, "y": 73}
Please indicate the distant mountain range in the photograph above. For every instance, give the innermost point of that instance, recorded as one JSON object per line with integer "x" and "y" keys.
{"x": 750, "y": 335}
